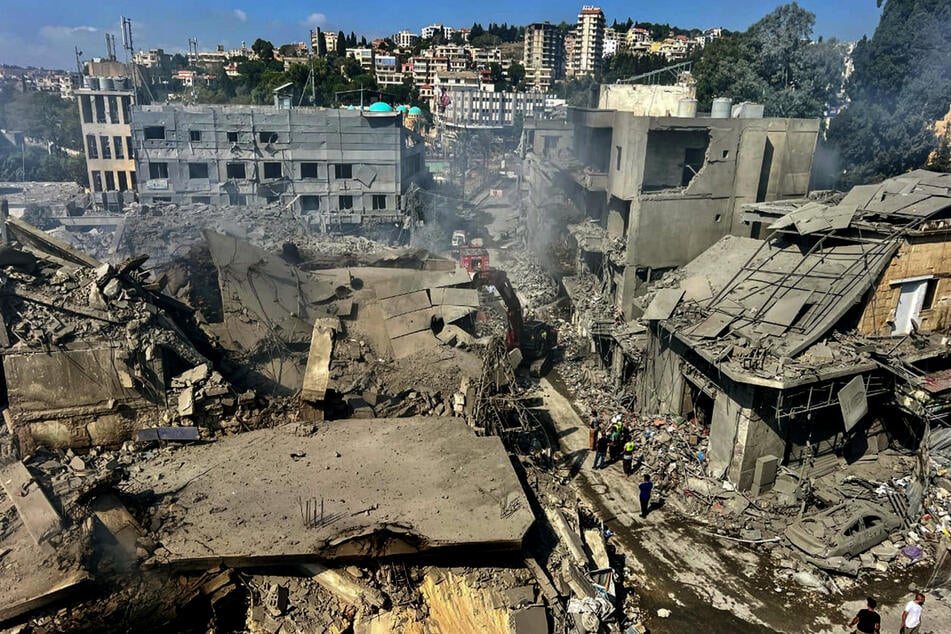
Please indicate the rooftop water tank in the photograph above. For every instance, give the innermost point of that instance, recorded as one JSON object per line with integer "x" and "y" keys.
{"x": 687, "y": 108}
{"x": 106, "y": 83}
{"x": 722, "y": 107}
{"x": 748, "y": 110}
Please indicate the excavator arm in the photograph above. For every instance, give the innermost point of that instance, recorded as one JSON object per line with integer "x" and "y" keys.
{"x": 513, "y": 308}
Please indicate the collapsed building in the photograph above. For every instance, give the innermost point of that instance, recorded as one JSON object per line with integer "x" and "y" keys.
{"x": 827, "y": 339}
{"x": 634, "y": 197}
{"x": 339, "y": 169}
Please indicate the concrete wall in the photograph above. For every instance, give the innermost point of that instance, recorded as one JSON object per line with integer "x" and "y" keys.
{"x": 644, "y": 99}
{"x": 104, "y": 118}
{"x": 78, "y": 398}
{"x": 746, "y": 160}
{"x": 384, "y": 159}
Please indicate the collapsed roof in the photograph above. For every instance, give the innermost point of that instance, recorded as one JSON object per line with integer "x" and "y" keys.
{"x": 799, "y": 284}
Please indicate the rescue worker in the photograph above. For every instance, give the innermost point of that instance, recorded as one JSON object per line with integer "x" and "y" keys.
{"x": 628, "y": 457}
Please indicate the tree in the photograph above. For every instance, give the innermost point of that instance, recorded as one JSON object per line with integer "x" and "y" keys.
{"x": 486, "y": 40}
{"x": 225, "y": 84}
{"x": 516, "y": 74}
{"x": 774, "y": 62}
{"x": 263, "y": 49}
{"x": 475, "y": 31}
{"x": 900, "y": 86}
{"x": 497, "y": 77}
{"x": 288, "y": 50}
{"x": 457, "y": 38}
{"x": 179, "y": 62}
{"x": 321, "y": 43}
{"x": 341, "y": 44}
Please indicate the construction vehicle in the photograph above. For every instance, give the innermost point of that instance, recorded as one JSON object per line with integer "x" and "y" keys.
{"x": 471, "y": 256}
{"x": 535, "y": 339}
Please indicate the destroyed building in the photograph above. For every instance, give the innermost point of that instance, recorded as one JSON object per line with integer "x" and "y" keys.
{"x": 796, "y": 348}
{"x": 651, "y": 193}
{"x": 338, "y": 168}
{"x": 105, "y": 114}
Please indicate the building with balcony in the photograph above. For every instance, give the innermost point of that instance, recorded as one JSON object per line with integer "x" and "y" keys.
{"x": 544, "y": 56}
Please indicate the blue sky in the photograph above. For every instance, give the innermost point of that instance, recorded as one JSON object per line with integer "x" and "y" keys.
{"x": 44, "y": 32}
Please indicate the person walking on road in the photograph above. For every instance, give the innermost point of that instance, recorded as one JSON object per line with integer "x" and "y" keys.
{"x": 911, "y": 617}
{"x": 867, "y": 621}
{"x": 600, "y": 449}
{"x": 646, "y": 487}
{"x": 628, "y": 457}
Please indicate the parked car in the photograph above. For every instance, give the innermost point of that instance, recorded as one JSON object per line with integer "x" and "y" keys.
{"x": 845, "y": 530}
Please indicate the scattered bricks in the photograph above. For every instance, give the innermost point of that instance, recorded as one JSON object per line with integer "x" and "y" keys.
{"x": 191, "y": 377}
{"x": 275, "y": 599}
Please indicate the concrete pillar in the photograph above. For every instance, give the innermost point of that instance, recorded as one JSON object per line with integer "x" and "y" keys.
{"x": 764, "y": 474}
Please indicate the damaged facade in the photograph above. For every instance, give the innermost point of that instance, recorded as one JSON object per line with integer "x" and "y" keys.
{"x": 793, "y": 349}
{"x": 338, "y": 168}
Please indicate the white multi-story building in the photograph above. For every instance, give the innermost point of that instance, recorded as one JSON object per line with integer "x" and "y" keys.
{"x": 387, "y": 70}
{"x": 405, "y": 39}
{"x": 427, "y": 32}
{"x": 589, "y": 45}
{"x": 544, "y": 56}
{"x": 483, "y": 57}
{"x": 612, "y": 43}
{"x": 362, "y": 55}
{"x": 469, "y": 108}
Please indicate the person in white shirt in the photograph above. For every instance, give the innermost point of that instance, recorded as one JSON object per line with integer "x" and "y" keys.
{"x": 911, "y": 617}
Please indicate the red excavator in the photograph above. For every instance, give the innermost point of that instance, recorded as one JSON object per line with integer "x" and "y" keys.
{"x": 534, "y": 338}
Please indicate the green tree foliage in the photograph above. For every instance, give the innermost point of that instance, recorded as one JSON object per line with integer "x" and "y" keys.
{"x": 624, "y": 65}
{"x": 900, "y": 86}
{"x": 516, "y": 76}
{"x": 341, "y": 44}
{"x": 503, "y": 32}
{"x": 486, "y": 40}
{"x": 774, "y": 62}
{"x": 42, "y": 116}
{"x": 263, "y": 49}
{"x": 321, "y": 43}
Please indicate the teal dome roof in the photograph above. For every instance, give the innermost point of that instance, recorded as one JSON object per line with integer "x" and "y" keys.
{"x": 415, "y": 110}
{"x": 380, "y": 106}
{"x": 401, "y": 108}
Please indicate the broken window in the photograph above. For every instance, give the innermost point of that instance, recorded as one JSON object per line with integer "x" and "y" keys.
{"x": 117, "y": 143}
{"x": 198, "y": 170}
{"x": 158, "y": 170}
{"x": 96, "y": 182}
{"x": 110, "y": 181}
{"x": 928, "y": 302}
{"x": 123, "y": 182}
{"x": 693, "y": 162}
{"x": 379, "y": 201}
{"x": 267, "y": 137}
{"x": 309, "y": 170}
{"x": 272, "y": 169}
{"x": 346, "y": 202}
{"x": 128, "y": 145}
{"x": 236, "y": 170}
{"x": 674, "y": 157}
{"x": 91, "y": 149}
{"x": 912, "y": 296}
{"x": 113, "y": 109}
{"x": 154, "y": 132}
{"x": 126, "y": 118}
{"x": 343, "y": 170}
{"x": 309, "y": 203}
{"x": 100, "y": 109}
{"x": 106, "y": 149}
{"x": 85, "y": 104}
{"x": 194, "y": 135}
{"x": 232, "y": 137}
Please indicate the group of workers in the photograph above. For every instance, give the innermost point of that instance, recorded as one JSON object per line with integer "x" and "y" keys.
{"x": 614, "y": 440}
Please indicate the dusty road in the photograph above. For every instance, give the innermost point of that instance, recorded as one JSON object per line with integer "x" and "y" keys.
{"x": 709, "y": 584}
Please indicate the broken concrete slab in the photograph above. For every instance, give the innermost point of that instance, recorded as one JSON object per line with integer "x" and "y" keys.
{"x": 344, "y": 586}
{"x": 38, "y": 515}
{"x": 455, "y": 296}
{"x": 317, "y": 373}
{"x": 116, "y": 519}
{"x": 377, "y": 500}
{"x": 402, "y": 304}
{"x": 408, "y": 345}
{"x": 663, "y": 304}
